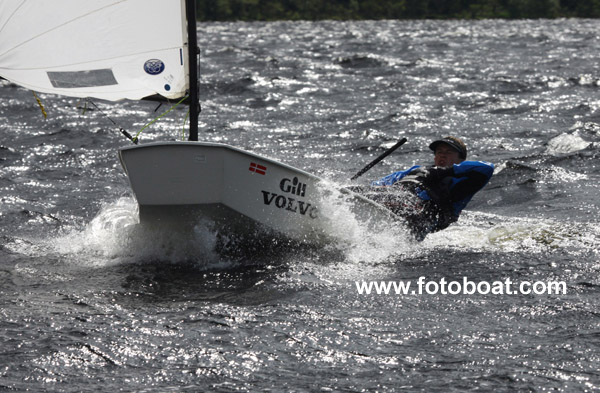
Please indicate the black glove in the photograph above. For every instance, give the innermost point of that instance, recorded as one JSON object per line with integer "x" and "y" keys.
{"x": 436, "y": 180}
{"x": 431, "y": 176}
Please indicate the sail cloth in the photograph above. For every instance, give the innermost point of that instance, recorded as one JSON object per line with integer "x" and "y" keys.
{"x": 106, "y": 49}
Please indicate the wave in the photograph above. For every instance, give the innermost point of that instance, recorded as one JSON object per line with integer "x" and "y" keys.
{"x": 116, "y": 237}
{"x": 480, "y": 231}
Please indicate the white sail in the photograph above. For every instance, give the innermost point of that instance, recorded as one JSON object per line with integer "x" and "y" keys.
{"x": 106, "y": 49}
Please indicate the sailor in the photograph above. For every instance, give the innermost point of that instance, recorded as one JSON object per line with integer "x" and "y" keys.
{"x": 434, "y": 196}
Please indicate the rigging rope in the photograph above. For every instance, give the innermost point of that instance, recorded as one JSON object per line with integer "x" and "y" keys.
{"x": 157, "y": 118}
{"x": 123, "y": 131}
{"x": 40, "y": 105}
{"x": 183, "y": 127}
{"x": 135, "y": 139}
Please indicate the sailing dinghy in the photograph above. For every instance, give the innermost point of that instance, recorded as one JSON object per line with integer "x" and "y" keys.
{"x": 138, "y": 49}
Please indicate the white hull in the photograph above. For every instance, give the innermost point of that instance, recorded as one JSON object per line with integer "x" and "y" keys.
{"x": 238, "y": 190}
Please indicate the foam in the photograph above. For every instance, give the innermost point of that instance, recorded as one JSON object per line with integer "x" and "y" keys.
{"x": 504, "y": 234}
{"x": 115, "y": 236}
{"x": 361, "y": 233}
{"x": 566, "y": 143}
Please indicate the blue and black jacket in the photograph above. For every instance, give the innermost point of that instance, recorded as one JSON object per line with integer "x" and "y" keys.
{"x": 448, "y": 190}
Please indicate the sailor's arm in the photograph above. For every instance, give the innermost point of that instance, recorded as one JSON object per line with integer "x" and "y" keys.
{"x": 471, "y": 177}
{"x": 393, "y": 178}
{"x": 467, "y": 178}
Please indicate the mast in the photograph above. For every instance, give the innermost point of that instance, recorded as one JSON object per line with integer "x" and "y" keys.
{"x": 190, "y": 10}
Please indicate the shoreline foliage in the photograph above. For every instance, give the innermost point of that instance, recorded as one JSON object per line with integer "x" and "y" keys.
{"x": 271, "y": 10}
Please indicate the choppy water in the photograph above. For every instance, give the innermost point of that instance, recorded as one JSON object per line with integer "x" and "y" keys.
{"x": 91, "y": 302}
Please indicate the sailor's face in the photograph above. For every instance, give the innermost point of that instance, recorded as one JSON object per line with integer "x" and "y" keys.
{"x": 445, "y": 156}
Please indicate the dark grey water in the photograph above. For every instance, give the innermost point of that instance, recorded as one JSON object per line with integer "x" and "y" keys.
{"x": 91, "y": 302}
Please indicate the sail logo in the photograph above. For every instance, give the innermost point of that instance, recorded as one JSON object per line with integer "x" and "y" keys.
{"x": 154, "y": 66}
{"x": 293, "y": 186}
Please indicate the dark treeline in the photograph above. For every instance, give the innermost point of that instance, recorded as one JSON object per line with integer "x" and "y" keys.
{"x": 264, "y": 10}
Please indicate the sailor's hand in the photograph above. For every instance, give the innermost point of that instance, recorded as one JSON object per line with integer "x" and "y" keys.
{"x": 420, "y": 172}
{"x": 431, "y": 175}
{"x": 437, "y": 173}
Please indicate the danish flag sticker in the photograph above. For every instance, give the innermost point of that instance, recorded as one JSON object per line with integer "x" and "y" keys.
{"x": 256, "y": 168}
